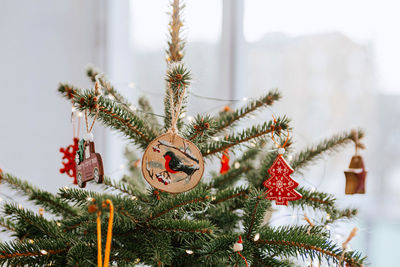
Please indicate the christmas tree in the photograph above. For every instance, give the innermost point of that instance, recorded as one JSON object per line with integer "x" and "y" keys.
{"x": 200, "y": 227}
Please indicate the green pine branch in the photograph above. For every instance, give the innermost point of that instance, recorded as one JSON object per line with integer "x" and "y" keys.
{"x": 229, "y": 119}
{"x": 288, "y": 241}
{"x": 196, "y": 199}
{"x": 38, "y": 253}
{"x": 250, "y": 134}
{"x": 39, "y": 197}
{"x": 327, "y": 146}
{"x": 254, "y": 209}
{"x": 178, "y": 79}
{"x": 7, "y": 225}
{"x": 182, "y": 226}
{"x": 125, "y": 188}
{"x": 116, "y": 117}
{"x": 30, "y": 224}
{"x": 107, "y": 88}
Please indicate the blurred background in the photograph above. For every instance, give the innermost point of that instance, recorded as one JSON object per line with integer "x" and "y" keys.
{"x": 335, "y": 63}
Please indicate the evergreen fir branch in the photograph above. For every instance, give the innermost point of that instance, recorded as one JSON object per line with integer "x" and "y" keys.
{"x": 337, "y": 214}
{"x": 128, "y": 189}
{"x": 230, "y": 118}
{"x": 41, "y": 198}
{"x": 175, "y": 44}
{"x": 30, "y": 224}
{"x": 324, "y": 202}
{"x": 116, "y": 117}
{"x": 187, "y": 226}
{"x": 230, "y": 193}
{"x": 41, "y": 252}
{"x": 78, "y": 196}
{"x": 217, "y": 251}
{"x": 124, "y": 206}
{"x": 266, "y": 261}
{"x": 68, "y": 91}
{"x": 195, "y": 199}
{"x": 254, "y": 209}
{"x": 327, "y": 146}
{"x": 178, "y": 80}
{"x": 287, "y": 241}
{"x": 314, "y": 199}
{"x": 107, "y": 88}
{"x": 253, "y": 133}
{"x": 7, "y": 225}
{"x": 224, "y": 180}
{"x": 200, "y": 129}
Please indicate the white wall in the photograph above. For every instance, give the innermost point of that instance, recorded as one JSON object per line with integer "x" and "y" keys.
{"x": 42, "y": 43}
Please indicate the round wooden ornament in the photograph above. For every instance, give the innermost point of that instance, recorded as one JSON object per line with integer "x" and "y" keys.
{"x": 173, "y": 164}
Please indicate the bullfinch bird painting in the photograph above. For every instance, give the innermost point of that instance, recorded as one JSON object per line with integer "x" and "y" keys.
{"x": 174, "y": 165}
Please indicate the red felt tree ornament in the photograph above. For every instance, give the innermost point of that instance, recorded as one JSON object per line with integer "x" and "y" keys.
{"x": 225, "y": 162}
{"x": 280, "y": 186}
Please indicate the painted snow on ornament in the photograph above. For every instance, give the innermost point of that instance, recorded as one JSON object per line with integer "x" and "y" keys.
{"x": 172, "y": 164}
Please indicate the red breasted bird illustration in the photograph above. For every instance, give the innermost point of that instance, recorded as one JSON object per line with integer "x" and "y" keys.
{"x": 173, "y": 165}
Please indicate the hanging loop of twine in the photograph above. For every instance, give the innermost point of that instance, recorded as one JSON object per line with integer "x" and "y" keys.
{"x": 175, "y": 110}
{"x": 358, "y": 144}
{"x": 96, "y": 105}
{"x": 93, "y": 208}
{"x": 352, "y": 234}
{"x": 272, "y": 135}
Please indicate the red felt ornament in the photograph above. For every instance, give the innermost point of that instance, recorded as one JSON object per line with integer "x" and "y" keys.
{"x": 225, "y": 162}
{"x": 69, "y": 159}
{"x": 281, "y": 187}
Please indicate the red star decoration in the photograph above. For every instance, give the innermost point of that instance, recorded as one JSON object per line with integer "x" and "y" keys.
{"x": 69, "y": 159}
{"x": 280, "y": 185}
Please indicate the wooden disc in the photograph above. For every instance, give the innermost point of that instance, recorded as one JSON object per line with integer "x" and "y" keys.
{"x": 173, "y": 164}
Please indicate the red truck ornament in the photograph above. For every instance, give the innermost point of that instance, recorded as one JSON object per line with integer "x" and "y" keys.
{"x": 89, "y": 165}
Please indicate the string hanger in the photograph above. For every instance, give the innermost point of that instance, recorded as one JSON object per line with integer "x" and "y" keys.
{"x": 75, "y": 129}
{"x": 89, "y": 134}
{"x": 92, "y": 208}
{"x": 357, "y": 143}
{"x": 281, "y": 148}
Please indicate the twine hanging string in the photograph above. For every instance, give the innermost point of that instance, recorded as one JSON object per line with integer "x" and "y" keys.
{"x": 352, "y": 234}
{"x": 96, "y": 105}
{"x": 310, "y": 226}
{"x": 358, "y": 144}
{"x": 272, "y": 135}
{"x": 175, "y": 110}
{"x": 93, "y": 208}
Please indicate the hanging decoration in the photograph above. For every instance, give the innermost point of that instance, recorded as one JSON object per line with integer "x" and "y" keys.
{"x": 89, "y": 163}
{"x": 237, "y": 247}
{"x": 281, "y": 187}
{"x": 69, "y": 152}
{"x": 171, "y": 163}
{"x": 92, "y": 208}
{"x": 224, "y": 162}
{"x": 356, "y": 174}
